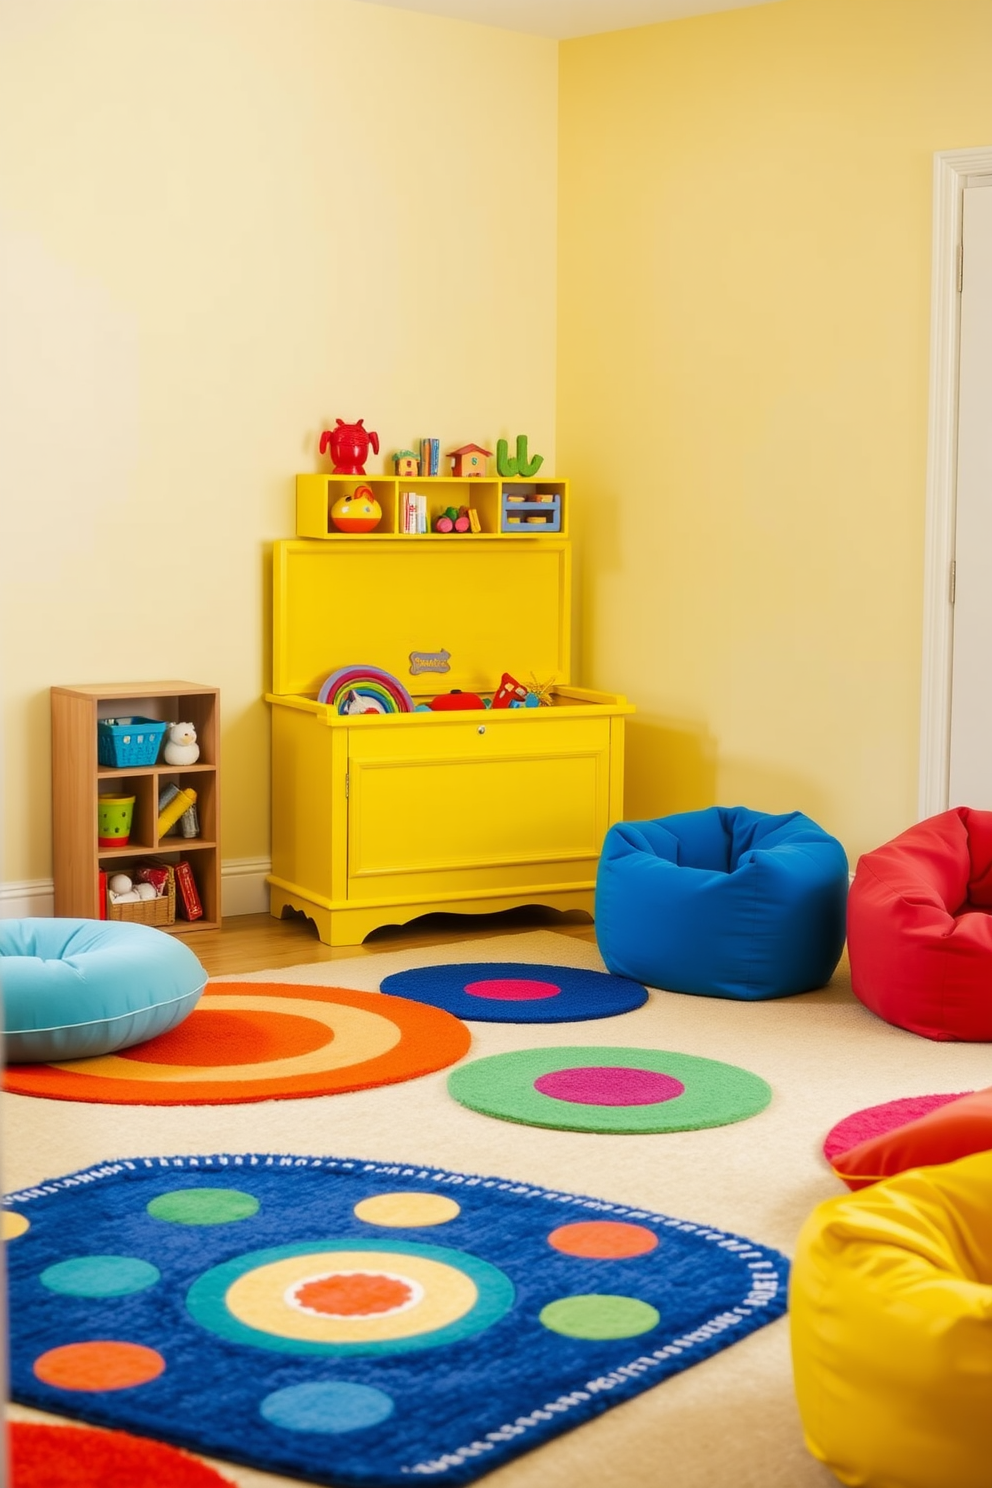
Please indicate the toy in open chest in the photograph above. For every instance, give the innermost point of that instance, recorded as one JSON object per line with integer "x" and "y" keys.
{"x": 380, "y": 817}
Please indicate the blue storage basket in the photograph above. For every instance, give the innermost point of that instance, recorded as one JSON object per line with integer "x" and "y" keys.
{"x": 128, "y": 741}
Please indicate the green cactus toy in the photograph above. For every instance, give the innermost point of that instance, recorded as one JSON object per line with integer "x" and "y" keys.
{"x": 523, "y": 465}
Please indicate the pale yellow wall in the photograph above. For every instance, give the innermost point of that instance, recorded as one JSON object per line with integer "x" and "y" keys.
{"x": 224, "y": 223}
{"x": 744, "y": 229}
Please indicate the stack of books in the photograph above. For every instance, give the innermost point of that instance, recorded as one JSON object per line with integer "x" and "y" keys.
{"x": 413, "y": 512}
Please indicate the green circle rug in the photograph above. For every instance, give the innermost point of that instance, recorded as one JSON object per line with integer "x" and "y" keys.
{"x": 598, "y": 1089}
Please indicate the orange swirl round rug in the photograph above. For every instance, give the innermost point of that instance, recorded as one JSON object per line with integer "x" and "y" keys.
{"x": 77, "y": 1457}
{"x": 251, "y": 1041}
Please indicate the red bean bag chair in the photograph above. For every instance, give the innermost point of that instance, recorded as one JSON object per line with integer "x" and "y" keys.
{"x": 919, "y": 928}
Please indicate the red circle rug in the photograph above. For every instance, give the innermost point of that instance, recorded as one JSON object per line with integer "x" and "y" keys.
{"x": 251, "y": 1041}
{"x": 78, "y": 1457}
{"x": 875, "y": 1121}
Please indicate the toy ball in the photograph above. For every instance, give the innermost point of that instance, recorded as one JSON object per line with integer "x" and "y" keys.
{"x": 145, "y": 891}
{"x": 358, "y": 511}
{"x": 119, "y": 884}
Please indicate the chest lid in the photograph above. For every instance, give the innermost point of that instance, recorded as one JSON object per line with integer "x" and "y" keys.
{"x": 493, "y": 605}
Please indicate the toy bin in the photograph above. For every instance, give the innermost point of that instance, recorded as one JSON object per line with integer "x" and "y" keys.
{"x": 528, "y": 512}
{"x": 378, "y": 818}
{"x": 158, "y": 911}
{"x": 128, "y": 741}
{"x": 113, "y": 819}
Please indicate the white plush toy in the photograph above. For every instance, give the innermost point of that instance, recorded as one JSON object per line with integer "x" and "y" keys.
{"x": 181, "y": 747}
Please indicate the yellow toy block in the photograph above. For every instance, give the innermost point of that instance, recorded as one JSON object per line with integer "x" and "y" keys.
{"x": 171, "y": 813}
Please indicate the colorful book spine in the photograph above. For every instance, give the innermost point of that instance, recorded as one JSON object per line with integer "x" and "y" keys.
{"x": 103, "y": 895}
{"x": 430, "y": 456}
{"x": 187, "y": 898}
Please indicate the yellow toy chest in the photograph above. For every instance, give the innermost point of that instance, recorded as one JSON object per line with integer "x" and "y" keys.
{"x": 378, "y": 818}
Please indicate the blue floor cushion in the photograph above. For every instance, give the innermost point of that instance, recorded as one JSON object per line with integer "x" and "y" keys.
{"x": 73, "y": 989}
{"x": 725, "y": 902}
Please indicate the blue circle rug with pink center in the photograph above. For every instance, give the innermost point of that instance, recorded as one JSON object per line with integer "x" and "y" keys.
{"x": 355, "y": 1322}
{"x": 518, "y": 991}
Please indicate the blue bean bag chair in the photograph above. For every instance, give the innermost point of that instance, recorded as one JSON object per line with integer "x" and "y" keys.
{"x": 73, "y": 989}
{"x": 724, "y": 903}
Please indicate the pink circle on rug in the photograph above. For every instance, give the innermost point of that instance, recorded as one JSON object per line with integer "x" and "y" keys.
{"x": 875, "y": 1121}
{"x": 509, "y": 989}
{"x": 609, "y": 1085}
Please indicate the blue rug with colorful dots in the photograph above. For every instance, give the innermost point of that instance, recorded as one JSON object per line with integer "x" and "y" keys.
{"x": 354, "y": 1322}
{"x": 517, "y": 991}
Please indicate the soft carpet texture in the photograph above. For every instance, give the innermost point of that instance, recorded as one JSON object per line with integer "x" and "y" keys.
{"x": 609, "y": 1089}
{"x": 511, "y": 992}
{"x": 79, "y": 1457}
{"x": 250, "y": 1042}
{"x": 730, "y": 1422}
{"x": 356, "y": 1322}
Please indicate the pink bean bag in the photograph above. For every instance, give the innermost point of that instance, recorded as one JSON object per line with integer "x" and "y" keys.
{"x": 919, "y": 928}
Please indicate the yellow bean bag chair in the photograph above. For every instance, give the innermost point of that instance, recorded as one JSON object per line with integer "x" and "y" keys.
{"x": 891, "y": 1319}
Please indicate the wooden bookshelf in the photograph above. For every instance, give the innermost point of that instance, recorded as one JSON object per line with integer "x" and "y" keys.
{"x": 78, "y": 780}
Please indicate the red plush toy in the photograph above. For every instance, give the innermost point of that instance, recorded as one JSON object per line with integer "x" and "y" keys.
{"x": 450, "y": 702}
{"x": 509, "y": 691}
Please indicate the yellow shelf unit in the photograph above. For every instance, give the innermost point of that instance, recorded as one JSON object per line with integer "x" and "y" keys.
{"x": 539, "y": 508}
{"x": 379, "y": 818}
{"x": 78, "y": 781}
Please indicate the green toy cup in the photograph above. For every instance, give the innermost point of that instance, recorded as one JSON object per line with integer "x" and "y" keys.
{"x": 113, "y": 815}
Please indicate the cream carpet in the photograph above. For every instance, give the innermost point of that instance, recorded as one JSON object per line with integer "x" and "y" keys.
{"x": 729, "y": 1422}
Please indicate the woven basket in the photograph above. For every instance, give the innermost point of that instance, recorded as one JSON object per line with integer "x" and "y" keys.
{"x": 158, "y": 911}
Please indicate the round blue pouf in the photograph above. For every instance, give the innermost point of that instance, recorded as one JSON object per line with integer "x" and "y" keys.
{"x": 518, "y": 991}
{"x": 724, "y": 902}
{"x": 73, "y": 989}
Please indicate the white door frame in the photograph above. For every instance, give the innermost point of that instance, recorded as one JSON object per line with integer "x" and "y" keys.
{"x": 951, "y": 171}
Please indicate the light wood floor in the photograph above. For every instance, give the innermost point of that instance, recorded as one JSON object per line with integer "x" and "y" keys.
{"x": 259, "y": 942}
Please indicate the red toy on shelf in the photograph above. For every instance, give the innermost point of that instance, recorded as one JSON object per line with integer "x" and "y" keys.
{"x": 349, "y": 446}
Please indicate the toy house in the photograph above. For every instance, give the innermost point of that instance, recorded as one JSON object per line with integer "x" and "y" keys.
{"x": 406, "y": 463}
{"x": 469, "y": 460}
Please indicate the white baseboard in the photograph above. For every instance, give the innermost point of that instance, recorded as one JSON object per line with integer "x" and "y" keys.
{"x": 244, "y": 890}
{"x": 243, "y": 886}
{"x": 20, "y": 901}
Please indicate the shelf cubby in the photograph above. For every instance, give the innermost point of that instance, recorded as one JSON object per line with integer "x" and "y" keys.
{"x": 544, "y": 500}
